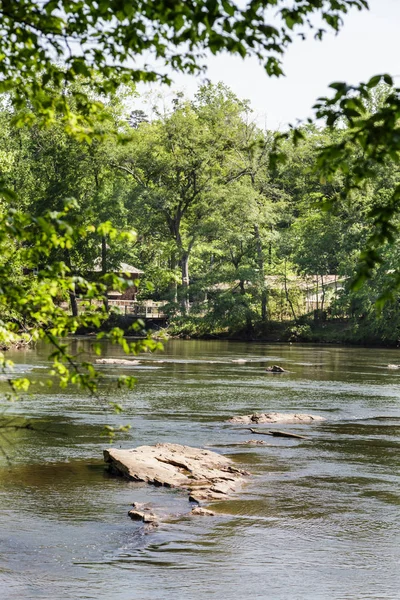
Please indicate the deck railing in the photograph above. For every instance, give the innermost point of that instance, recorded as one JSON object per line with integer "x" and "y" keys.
{"x": 146, "y": 310}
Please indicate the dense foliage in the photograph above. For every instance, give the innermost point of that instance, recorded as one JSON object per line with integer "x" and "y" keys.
{"x": 231, "y": 238}
{"x": 49, "y": 44}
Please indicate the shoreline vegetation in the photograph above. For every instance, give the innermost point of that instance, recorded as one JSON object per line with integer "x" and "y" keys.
{"x": 346, "y": 333}
{"x": 306, "y": 330}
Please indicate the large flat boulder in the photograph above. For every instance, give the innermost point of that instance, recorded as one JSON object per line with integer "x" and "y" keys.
{"x": 204, "y": 474}
{"x": 275, "y": 417}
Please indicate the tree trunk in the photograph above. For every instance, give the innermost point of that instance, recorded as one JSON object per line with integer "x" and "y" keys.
{"x": 260, "y": 261}
{"x": 104, "y": 267}
{"x": 249, "y": 323}
{"x": 323, "y": 294}
{"x": 289, "y": 301}
{"x": 185, "y": 283}
{"x": 103, "y": 255}
{"x": 185, "y": 279}
{"x": 72, "y": 292}
{"x": 174, "y": 286}
{"x": 270, "y": 248}
{"x": 316, "y": 311}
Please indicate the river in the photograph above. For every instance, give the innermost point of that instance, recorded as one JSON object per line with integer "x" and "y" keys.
{"x": 318, "y": 519}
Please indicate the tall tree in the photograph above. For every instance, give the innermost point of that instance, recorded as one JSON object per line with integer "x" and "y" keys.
{"x": 177, "y": 164}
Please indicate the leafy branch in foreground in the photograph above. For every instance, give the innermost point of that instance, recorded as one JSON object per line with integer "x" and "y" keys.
{"x": 372, "y": 133}
{"x": 33, "y": 283}
{"x": 365, "y": 124}
{"x": 47, "y": 45}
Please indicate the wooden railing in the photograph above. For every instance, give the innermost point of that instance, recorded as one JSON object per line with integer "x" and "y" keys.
{"x": 146, "y": 310}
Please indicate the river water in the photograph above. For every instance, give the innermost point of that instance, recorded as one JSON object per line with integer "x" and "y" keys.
{"x": 318, "y": 519}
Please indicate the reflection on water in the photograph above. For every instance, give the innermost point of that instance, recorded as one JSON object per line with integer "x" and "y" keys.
{"x": 317, "y": 520}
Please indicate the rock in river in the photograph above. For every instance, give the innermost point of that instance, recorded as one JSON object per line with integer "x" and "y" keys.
{"x": 146, "y": 517}
{"x": 198, "y": 510}
{"x": 274, "y": 417}
{"x": 116, "y": 361}
{"x": 204, "y": 474}
{"x": 275, "y": 369}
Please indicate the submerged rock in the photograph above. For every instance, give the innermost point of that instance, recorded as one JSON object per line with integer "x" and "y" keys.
{"x": 276, "y": 369}
{"x": 146, "y": 517}
{"x": 116, "y": 361}
{"x": 204, "y": 474}
{"x": 141, "y": 506}
{"x": 274, "y": 417}
{"x": 245, "y": 443}
{"x": 254, "y": 443}
{"x": 198, "y": 510}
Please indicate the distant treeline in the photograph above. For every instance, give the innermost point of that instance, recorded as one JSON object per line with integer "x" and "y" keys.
{"x": 234, "y": 230}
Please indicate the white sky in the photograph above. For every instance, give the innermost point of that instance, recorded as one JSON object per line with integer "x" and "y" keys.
{"x": 368, "y": 44}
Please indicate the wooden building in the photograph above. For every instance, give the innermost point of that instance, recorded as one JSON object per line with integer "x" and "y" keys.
{"x": 125, "y": 271}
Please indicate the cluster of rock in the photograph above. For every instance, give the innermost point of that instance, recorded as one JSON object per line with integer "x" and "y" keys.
{"x": 143, "y": 512}
{"x": 271, "y": 369}
{"x": 254, "y": 443}
{"x": 274, "y": 417}
{"x": 19, "y": 344}
{"x": 205, "y": 475}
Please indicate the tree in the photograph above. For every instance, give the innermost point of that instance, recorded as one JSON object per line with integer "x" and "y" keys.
{"x": 177, "y": 164}
{"x": 249, "y": 208}
{"x": 374, "y": 137}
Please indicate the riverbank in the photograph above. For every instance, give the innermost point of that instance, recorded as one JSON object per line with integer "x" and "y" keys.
{"x": 347, "y": 332}
{"x": 344, "y": 332}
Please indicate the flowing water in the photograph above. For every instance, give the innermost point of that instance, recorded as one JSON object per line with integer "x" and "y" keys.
{"x": 318, "y": 519}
